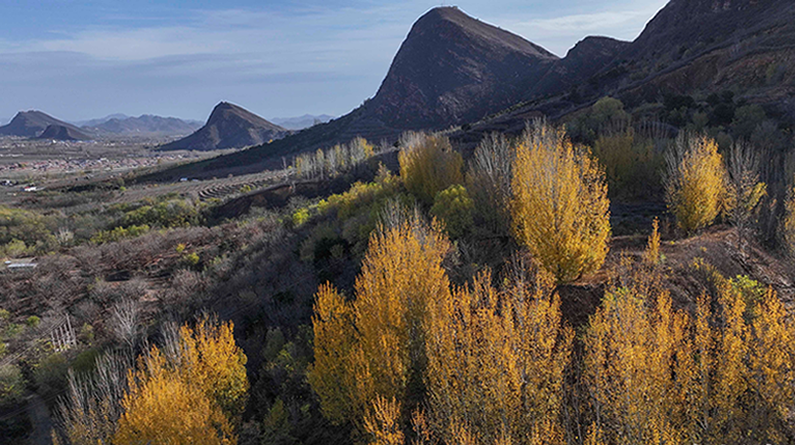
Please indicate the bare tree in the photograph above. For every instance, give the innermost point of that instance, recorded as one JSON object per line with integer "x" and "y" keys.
{"x": 87, "y": 414}
{"x": 489, "y": 180}
{"x": 746, "y": 190}
{"x": 125, "y": 321}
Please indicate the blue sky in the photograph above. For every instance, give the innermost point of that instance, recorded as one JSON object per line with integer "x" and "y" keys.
{"x": 85, "y": 59}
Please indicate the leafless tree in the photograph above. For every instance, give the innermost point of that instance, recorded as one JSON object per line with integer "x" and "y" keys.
{"x": 125, "y": 321}
{"x": 489, "y": 180}
{"x": 746, "y": 190}
{"x": 87, "y": 414}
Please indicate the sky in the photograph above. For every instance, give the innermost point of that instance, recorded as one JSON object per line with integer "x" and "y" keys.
{"x": 79, "y": 60}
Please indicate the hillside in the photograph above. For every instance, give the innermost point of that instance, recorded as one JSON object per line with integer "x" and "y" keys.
{"x": 32, "y": 123}
{"x": 691, "y": 47}
{"x": 229, "y": 126}
{"x": 63, "y": 133}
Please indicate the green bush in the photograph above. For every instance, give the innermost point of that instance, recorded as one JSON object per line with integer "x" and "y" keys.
{"x": 633, "y": 167}
{"x": 50, "y": 374}
{"x": 27, "y": 231}
{"x": 454, "y": 208}
{"x": 33, "y": 321}
{"x": 172, "y": 213}
{"x": 430, "y": 165}
{"x": 118, "y": 234}
{"x": 12, "y": 385}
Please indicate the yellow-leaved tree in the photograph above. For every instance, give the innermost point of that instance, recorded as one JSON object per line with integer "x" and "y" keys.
{"x": 696, "y": 182}
{"x": 195, "y": 395}
{"x": 638, "y": 367}
{"x": 560, "y": 208}
{"x": 744, "y": 357}
{"x": 375, "y": 346}
{"x": 496, "y": 362}
{"x": 428, "y": 165}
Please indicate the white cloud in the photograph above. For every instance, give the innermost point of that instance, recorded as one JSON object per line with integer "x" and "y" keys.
{"x": 559, "y": 33}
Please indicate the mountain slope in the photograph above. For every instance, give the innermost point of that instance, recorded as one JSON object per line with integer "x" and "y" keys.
{"x": 229, "y": 126}
{"x": 690, "y": 47}
{"x": 703, "y": 46}
{"x": 63, "y": 133}
{"x": 32, "y": 123}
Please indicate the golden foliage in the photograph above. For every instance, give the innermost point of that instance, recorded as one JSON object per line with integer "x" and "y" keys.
{"x": 696, "y": 183}
{"x": 652, "y": 254}
{"x": 161, "y": 407}
{"x": 635, "y": 366}
{"x": 195, "y": 397}
{"x": 495, "y": 363}
{"x": 382, "y": 422}
{"x": 331, "y": 376}
{"x": 430, "y": 165}
{"x": 560, "y": 207}
{"x": 375, "y": 347}
{"x": 723, "y": 375}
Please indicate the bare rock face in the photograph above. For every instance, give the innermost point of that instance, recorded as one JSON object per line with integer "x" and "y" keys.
{"x": 452, "y": 69}
{"x": 229, "y": 126}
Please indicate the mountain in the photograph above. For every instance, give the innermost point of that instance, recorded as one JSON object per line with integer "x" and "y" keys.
{"x": 63, "y": 133}
{"x": 453, "y": 69}
{"x": 229, "y": 126}
{"x": 301, "y": 122}
{"x": 585, "y": 59}
{"x": 145, "y": 125}
{"x": 33, "y": 123}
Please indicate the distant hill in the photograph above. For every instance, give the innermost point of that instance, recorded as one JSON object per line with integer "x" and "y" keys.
{"x": 33, "y": 123}
{"x": 144, "y": 125}
{"x": 101, "y": 120}
{"x": 63, "y": 133}
{"x": 229, "y": 126}
{"x": 301, "y": 122}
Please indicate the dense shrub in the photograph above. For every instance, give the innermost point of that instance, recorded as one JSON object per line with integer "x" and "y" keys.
{"x": 632, "y": 166}
{"x": 12, "y": 385}
{"x": 696, "y": 182}
{"x": 429, "y": 165}
{"x": 25, "y": 232}
{"x": 118, "y": 234}
{"x": 560, "y": 207}
{"x": 453, "y": 207}
{"x": 172, "y": 213}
